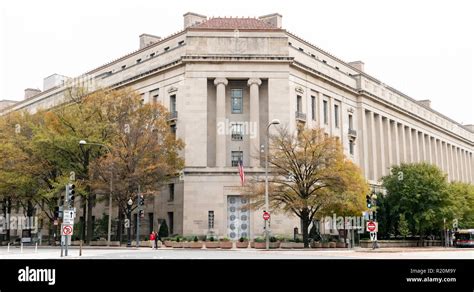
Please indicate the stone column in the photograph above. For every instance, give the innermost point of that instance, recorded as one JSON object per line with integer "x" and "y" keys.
{"x": 389, "y": 144}
{"x": 364, "y": 149}
{"x": 404, "y": 144}
{"x": 397, "y": 144}
{"x": 417, "y": 146}
{"x": 436, "y": 156}
{"x": 410, "y": 141}
{"x": 374, "y": 147}
{"x": 381, "y": 147}
{"x": 254, "y": 84}
{"x": 221, "y": 133}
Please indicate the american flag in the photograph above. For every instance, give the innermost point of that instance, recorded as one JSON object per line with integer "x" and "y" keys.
{"x": 241, "y": 172}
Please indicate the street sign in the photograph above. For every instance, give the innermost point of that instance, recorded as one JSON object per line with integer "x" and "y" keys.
{"x": 373, "y": 236}
{"x": 266, "y": 215}
{"x": 68, "y": 217}
{"x": 66, "y": 229}
{"x": 127, "y": 223}
{"x": 372, "y": 226}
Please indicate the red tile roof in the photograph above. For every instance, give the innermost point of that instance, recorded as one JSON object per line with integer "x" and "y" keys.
{"x": 234, "y": 23}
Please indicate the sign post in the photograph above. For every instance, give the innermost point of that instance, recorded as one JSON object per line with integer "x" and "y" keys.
{"x": 373, "y": 228}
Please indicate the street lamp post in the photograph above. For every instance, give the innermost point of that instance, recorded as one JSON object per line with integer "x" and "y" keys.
{"x": 109, "y": 229}
{"x": 129, "y": 208}
{"x": 267, "y": 239}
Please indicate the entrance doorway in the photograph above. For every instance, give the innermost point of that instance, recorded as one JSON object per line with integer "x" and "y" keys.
{"x": 238, "y": 218}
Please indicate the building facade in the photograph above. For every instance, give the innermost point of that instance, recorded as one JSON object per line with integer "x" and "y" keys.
{"x": 224, "y": 79}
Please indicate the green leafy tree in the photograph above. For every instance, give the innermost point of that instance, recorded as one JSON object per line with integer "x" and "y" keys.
{"x": 420, "y": 192}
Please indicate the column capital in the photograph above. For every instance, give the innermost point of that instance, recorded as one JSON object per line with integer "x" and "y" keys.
{"x": 220, "y": 80}
{"x": 257, "y": 81}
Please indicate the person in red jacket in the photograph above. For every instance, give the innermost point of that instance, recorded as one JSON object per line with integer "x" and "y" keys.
{"x": 152, "y": 239}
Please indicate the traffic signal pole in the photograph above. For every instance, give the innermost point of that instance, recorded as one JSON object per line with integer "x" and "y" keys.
{"x": 138, "y": 216}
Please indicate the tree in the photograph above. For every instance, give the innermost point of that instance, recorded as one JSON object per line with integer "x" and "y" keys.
{"x": 462, "y": 204}
{"x": 420, "y": 192}
{"x": 144, "y": 152}
{"x": 309, "y": 174}
{"x": 163, "y": 231}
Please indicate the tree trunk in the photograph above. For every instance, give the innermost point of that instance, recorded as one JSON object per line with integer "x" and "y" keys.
{"x": 306, "y": 223}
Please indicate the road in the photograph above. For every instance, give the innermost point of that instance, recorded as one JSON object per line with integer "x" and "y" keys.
{"x": 148, "y": 253}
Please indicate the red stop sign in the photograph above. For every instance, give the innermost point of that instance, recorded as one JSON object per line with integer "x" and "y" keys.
{"x": 266, "y": 215}
{"x": 371, "y": 226}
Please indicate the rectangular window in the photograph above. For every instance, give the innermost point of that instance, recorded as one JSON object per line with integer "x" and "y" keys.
{"x": 210, "y": 219}
{"x": 236, "y": 96}
{"x": 237, "y": 132}
{"x": 298, "y": 104}
{"x": 325, "y": 111}
{"x": 171, "y": 193}
{"x": 154, "y": 94}
{"x": 336, "y": 116}
{"x": 351, "y": 147}
{"x": 170, "y": 222}
{"x": 351, "y": 125}
{"x": 150, "y": 222}
{"x": 172, "y": 103}
{"x": 313, "y": 108}
{"x": 173, "y": 129}
{"x": 236, "y": 156}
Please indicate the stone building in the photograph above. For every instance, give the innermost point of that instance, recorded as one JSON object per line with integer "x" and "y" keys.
{"x": 243, "y": 72}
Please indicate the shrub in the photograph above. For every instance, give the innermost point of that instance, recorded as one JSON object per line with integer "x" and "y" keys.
{"x": 211, "y": 238}
{"x": 259, "y": 239}
{"x": 242, "y": 239}
{"x": 196, "y": 239}
{"x": 273, "y": 239}
{"x": 163, "y": 231}
{"x": 224, "y": 239}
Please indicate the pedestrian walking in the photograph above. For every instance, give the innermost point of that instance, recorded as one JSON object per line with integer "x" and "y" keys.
{"x": 153, "y": 239}
{"x": 156, "y": 239}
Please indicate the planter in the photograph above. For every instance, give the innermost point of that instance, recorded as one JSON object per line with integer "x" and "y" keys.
{"x": 178, "y": 244}
{"x": 325, "y": 244}
{"x": 244, "y": 244}
{"x": 274, "y": 244}
{"x": 340, "y": 245}
{"x": 316, "y": 244}
{"x": 332, "y": 245}
{"x": 226, "y": 244}
{"x": 193, "y": 244}
{"x": 169, "y": 243}
{"x": 288, "y": 245}
{"x": 98, "y": 243}
{"x": 212, "y": 244}
{"x": 258, "y": 245}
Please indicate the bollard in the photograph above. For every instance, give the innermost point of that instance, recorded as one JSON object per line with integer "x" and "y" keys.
{"x": 8, "y": 248}
{"x": 21, "y": 247}
{"x": 80, "y": 248}
{"x": 36, "y": 248}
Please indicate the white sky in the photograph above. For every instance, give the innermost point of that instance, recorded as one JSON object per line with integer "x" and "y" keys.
{"x": 425, "y": 49}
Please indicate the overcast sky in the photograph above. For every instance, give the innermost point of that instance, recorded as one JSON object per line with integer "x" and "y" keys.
{"x": 425, "y": 49}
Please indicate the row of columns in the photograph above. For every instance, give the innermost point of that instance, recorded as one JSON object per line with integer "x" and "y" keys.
{"x": 221, "y": 139}
{"x": 387, "y": 142}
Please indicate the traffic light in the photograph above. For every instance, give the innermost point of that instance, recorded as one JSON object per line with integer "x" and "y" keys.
{"x": 142, "y": 200}
{"x": 369, "y": 201}
{"x": 70, "y": 191}
{"x": 56, "y": 213}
